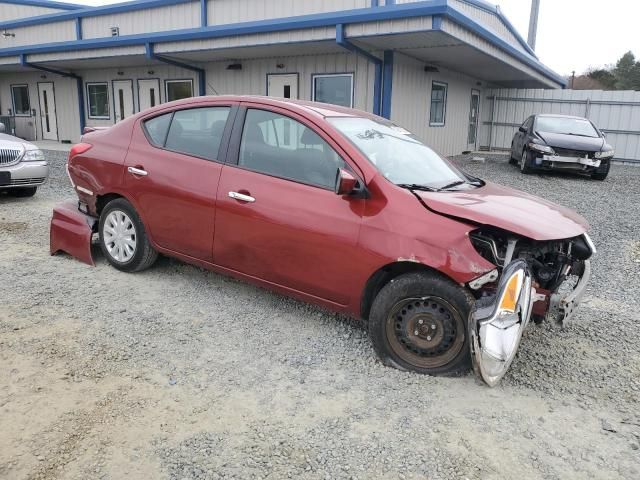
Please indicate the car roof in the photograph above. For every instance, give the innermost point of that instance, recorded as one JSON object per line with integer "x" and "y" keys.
{"x": 553, "y": 115}
{"x": 315, "y": 108}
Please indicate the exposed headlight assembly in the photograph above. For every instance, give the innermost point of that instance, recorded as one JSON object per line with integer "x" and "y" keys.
{"x": 541, "y": 148}
{"x": 605, "y": 154}
{"x": 33, "y": 156}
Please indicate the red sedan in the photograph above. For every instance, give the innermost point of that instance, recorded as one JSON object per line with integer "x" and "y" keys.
{"x": 339, "y": 208}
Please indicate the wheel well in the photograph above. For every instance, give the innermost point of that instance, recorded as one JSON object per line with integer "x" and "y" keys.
{"x": 103, "y": 200}
{"x": 384, "y": 275}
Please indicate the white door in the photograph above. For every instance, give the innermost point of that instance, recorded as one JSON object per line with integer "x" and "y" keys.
{"x": 48, "y": 118}
{"x": 282, "y": 85}
{"x": 148, "y": 93}
{"x": 123, "y": 99}
{"x": 474, "y": 111}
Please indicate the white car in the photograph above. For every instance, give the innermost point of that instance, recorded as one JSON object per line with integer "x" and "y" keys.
{"x": 23, "y": 167}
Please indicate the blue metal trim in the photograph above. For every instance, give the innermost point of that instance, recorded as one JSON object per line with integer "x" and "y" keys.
{"x": 202, "y": 79}
{"x": 392, "y": 12}
{"x": 78, "y": 28}
{"x": 90, "y": 12}
{"x": 377, "y": 82}
{"x": 436, "y": 22}
{"x": 46, "y": 4}
{"x": 80, "y": 89}
{"x": 387, "y": 82}
{"x": 204, "y": 15}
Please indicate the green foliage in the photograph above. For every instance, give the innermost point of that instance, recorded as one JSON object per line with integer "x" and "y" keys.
{"x": 604, "y": 77}
{"x": 625, "y": 75}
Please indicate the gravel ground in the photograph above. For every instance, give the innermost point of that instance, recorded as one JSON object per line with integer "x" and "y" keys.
{"x": 181, "y": 373}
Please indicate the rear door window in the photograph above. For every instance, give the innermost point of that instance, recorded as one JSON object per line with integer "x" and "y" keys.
{"x": 195, "y": 131}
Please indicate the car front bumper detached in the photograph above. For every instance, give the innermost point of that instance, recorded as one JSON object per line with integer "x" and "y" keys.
{"x": 71, "y": 232}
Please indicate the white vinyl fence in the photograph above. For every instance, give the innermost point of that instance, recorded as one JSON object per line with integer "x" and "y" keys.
{"x": 617, "y": 114}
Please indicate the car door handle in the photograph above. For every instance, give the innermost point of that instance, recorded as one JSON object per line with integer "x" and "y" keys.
{"x": 242, "y": 197}
{"x": 137, "y": 171}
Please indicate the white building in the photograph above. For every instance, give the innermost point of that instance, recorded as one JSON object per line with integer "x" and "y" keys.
{"x": 423, "y": 64}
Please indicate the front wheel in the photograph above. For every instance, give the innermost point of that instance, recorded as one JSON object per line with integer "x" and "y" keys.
{"x": 525, "y": 163}
{"x": 602, "y": 172}
{"x": 123, "y": 239}
{"x": 418, "y": 322}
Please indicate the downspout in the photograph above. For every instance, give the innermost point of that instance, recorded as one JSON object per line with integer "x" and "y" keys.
{"x": 202, "y": 79}
{"x": 79, "y": 85}
{"x": 377, "y": 83}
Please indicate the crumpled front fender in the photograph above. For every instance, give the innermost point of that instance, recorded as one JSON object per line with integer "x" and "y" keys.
{"x": 71, "y": 232}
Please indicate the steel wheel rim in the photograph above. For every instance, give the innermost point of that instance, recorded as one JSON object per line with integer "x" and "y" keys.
{"x": 119, "y": 236}
{"x": 425, "y": 332}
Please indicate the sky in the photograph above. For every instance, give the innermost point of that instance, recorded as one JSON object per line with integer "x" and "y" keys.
{"x": 573, "y": 35}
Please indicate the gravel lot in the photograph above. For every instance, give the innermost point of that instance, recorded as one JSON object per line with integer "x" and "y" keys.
{"x": 182, "y": 373}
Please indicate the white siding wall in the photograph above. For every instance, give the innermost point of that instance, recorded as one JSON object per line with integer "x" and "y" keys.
{"x": 39, "y": 34}
{"x": 411, "y": 102}
{"x": 174, "y": 17}
{"x": 252, "y": 79}
{"x": 234, "y": 11}
{"x": 9, "y": 11}
{"x": 66, "y": 100}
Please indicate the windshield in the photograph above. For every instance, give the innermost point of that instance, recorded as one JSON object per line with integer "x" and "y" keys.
{"x": 566, "y": 126}
{"x": 397, "y": 153}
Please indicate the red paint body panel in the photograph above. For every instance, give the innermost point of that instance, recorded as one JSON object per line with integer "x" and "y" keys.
{"x": 297, "y": 239}
{"x": 71, "y": 232}
{"x": 511, "y": 210}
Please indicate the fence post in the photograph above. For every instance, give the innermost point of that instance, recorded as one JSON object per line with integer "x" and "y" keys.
{"x": 588, "y": 108}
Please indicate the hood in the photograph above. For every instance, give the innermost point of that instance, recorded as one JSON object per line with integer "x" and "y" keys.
{"x": 9, "y": 141}
{"x": 572, "y": 142}
{"x": 510, "y": 210}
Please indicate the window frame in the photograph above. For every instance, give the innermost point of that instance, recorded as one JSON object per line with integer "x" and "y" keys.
{"x": 444, "y": 103}
{"x": 13, "y": 100}
{"x": 226, "y": 134}
{"x": 351, "y": 75}
{"x": 235, "y": 142}
{"x": 93, "y": 117}
{"x": 177, "y": 80}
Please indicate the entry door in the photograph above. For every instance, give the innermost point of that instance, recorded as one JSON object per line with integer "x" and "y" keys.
{"x": 473, "y": 119}
{"x": 48, "y": 111}
{"x": 282, "y": 85}
{"x": 123, "y": 99}
{"x": 148, "y": 93}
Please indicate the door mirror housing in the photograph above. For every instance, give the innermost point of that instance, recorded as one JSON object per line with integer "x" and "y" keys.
{"x": 522, "y": 129}
{"x": 345, "y": 183}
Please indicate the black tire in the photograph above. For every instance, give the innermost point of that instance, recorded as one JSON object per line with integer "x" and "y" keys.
{"x": 143, "y": 255}
{"x": 23, "y": 192}
{"x": 525, "y": 162}
{"x": 422, "y": 301}
{"x": 512, "y": 159}
{"x": 602, "y": 172}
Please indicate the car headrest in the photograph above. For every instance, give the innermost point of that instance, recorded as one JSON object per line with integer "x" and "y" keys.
{"x": 309, "y": 137}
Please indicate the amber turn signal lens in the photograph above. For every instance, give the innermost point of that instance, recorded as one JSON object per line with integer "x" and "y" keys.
{"x": 511, "y": 293}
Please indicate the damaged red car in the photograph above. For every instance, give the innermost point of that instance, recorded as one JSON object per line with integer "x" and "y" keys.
{"x": 336, "y": 207}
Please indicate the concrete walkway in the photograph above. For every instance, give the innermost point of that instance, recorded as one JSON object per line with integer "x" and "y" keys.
{"x": 53, "y": 145}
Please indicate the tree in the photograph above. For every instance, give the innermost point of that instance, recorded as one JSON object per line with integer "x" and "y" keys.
{"x": 627, "y": 73}
{"x": 604, "y": 77}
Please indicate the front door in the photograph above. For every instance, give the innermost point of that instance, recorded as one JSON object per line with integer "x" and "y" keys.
{"x": 148, "y": 93}
{"x": 473, "y": 120}
{"x": 172, "y": 170}
{"x": 48, "y": 118}
{"x": 277, "y": 215}
{"x": 123, "y": 99}
{"x": 282, "y": 85}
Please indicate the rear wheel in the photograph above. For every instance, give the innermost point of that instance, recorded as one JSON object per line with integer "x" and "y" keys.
{"x": 23, "y": 192}
{"x": 601, "y": 172}
{"x": 418, "y": 322}
{"x": 525, "y": 163}
{"x": 123, "y": 239}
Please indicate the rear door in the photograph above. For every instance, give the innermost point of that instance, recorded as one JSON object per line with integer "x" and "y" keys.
{"x": 172, "y": 172}
{"x": 278, "y": 218}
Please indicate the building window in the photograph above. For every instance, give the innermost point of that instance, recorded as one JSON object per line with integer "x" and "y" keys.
{"x": 335, "y": 89}
{"x": 178, "y": 89}
{"x": 98, "y": 100}
{"x": 438, "y": 104}
{"x": 20, "y": 99}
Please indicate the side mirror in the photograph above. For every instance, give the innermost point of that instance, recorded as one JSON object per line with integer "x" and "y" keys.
{"x": 345, "y": 183}
{"x": 522, "y": 129}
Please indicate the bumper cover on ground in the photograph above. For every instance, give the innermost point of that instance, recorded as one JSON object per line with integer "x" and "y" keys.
{"x": 71, "y": 232}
